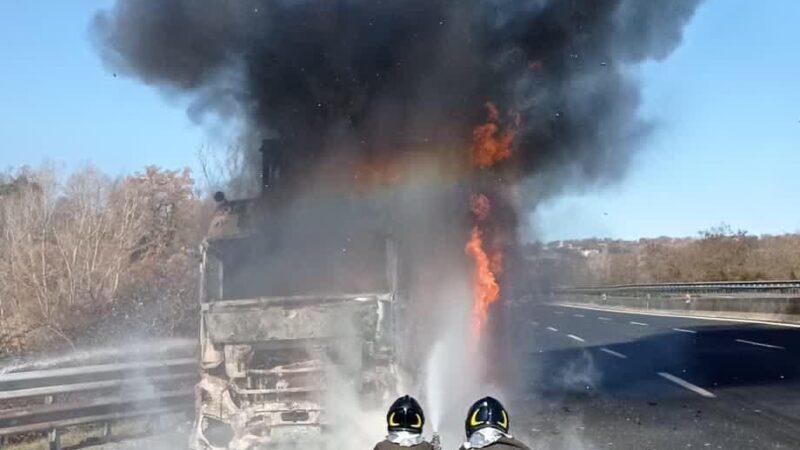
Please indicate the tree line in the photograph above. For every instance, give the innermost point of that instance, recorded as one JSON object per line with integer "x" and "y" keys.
{"x": 88, "y": 257}
{"x": 716, "y": 254}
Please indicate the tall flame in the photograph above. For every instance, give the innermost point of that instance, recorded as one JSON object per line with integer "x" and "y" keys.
{"x": 485, "y": 288}
{"x": 490, "y": 145}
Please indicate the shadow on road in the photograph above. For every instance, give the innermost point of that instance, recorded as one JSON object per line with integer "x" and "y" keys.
{"x": 714, "y": 357}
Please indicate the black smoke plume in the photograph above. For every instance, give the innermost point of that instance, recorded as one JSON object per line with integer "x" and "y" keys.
{"x": 369, "y": 78}
{"x": 372, "y": 80}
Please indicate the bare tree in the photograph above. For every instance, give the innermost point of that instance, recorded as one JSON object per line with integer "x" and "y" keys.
{"x": 226, "y": 170}
{"x": 72, "y": 253}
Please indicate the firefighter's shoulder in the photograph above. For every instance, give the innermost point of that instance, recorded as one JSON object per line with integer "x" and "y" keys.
{"x": 510, "y": 443}
{"x": 504, "y": 443}
{"x": 386, "y": 445}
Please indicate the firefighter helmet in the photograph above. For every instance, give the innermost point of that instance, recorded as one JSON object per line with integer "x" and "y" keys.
{"x": 486, "y": 412}
{"x": 405, "y": 414}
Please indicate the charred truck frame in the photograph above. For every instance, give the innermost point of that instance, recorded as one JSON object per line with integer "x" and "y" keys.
{"x": 291, "y": 297}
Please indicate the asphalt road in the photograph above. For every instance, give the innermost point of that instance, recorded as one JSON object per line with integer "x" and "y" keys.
{"x": 610, "y": 380}
{"x": 599, "y": 379}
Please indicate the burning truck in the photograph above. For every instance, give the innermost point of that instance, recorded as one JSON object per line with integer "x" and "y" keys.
{"x": 284, "y": 307}
{"x": 303, "y": 284}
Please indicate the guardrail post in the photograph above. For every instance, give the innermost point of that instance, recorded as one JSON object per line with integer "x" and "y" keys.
{"x": 106, "y": 431}
{"x": 54, "y": 439}
{"x": 53, "y": 436}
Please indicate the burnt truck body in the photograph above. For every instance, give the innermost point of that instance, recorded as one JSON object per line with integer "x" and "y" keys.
{"x": 291, "y": 297}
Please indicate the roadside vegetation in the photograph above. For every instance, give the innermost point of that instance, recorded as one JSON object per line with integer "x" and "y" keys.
{"x": 86, "y": 258}
{"x": 717, "y": 254}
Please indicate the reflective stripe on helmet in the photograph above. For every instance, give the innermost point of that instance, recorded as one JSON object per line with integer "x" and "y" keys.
{"x": 473, "y": 421}
{"x": 504, "y": 422}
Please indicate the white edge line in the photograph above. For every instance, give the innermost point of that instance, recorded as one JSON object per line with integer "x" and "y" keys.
{"x": 612, "y": 352}
{"x": 552, "y": 329}
{"x": 685, "y": 384}
{"x": 760, "y": 344}
{"x": 684, "y": 330}
{"x": 577, "y": 338}
{"x": 683, "y": 316}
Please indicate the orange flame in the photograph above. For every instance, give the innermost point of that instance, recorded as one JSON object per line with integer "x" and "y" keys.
{"x": 489, "y": 144}
{"x": 485, "y": 288}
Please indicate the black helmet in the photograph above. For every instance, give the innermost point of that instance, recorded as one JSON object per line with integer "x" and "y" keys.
{"x": 405, "y": 414}
{"x": 486, "y": 412}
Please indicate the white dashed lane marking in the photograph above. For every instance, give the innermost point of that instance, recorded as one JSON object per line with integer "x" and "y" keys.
{"x": 578, "y": 315}
{"x": 604, "y": 318}
{"x": 760, "y": 344}
{"x": 685, "y": 384}
{"x": 552, "y": 329}
{"x": 641, "y": 324}
{"x": 684, "y": 330}
{"x": 613, "y": 353}
{"x": 577, "y": 338}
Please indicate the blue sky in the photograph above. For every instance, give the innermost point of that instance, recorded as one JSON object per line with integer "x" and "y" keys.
{"x": 727, "y": 148}
{"x": 59, "y": 104}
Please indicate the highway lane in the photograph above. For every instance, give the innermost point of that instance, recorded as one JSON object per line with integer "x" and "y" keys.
{"x": 600, "y": 379}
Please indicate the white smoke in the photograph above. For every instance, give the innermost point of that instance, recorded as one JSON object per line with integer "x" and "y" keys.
{"x": 84, "y": 356}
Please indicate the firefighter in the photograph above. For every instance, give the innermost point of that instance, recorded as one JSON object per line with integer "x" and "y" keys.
{"x": 487, "y": 427}
{"x": 404, "y": 421}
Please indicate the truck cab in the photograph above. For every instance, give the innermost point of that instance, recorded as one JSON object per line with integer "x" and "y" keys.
{"x": 293, "y": 300}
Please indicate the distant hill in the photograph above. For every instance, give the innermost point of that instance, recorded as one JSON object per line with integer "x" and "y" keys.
{"x": 717, "y": 254}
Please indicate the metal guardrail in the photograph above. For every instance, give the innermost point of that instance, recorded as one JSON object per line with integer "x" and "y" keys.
{"x": 726, "y": 287}
{"x": 51, "y": 400}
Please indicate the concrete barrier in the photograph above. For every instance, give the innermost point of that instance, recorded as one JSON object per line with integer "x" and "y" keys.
{"x": 773, "y": 308}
